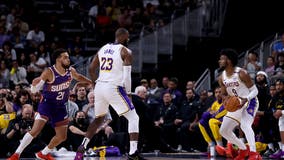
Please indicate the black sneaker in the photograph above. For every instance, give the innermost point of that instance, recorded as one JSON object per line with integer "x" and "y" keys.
{"x": 135, "y": 156}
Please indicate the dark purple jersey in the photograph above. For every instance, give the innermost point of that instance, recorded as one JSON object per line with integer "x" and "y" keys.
{"x": 57, "y": 92}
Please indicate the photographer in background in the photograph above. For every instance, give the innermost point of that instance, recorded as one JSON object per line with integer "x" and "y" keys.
{"x": 18, "y": 127}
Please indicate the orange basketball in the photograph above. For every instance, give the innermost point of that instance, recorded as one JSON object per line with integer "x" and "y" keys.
{"x": 232, "y": 103}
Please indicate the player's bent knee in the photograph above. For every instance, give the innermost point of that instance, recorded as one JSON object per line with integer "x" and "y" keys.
{"x": 133, "y": 121}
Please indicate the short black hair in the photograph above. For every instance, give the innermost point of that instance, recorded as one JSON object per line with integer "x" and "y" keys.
{"x": 231, "y": 54}
{"x": 57, "y": 53}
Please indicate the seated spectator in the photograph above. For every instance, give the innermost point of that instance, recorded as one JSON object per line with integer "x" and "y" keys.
{"x": 253, "y": 65}
{"x": 270, "y": 66}
{"x": 77, "y": 129}
{"x": 18, "y": 75}
{"x": 71, "y": 108}
{"x": 6, "y": 105}
{"x": 89, "y": 109}
{"x": 4, "y": 122}
{"x": 154, "y": 93}
{"x": 8, "y": 53}
{"x": 212, "y": 119}
{"x": 42, "y": 52}
{"x": 23, "y": 97}
{"x": 4, "y": 75}
{"x": 36, "y": 66}
{"x": 278, "y": 47}
{"x": 18, "y": 127}
{"x": 35, "y": 37}
{"x": 174, "y": 91}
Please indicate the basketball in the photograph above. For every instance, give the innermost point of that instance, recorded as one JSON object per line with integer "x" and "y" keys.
{"x": 232, "y": 103}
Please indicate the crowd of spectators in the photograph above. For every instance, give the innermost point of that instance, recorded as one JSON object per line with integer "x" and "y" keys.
{"x": 169, "y": 111}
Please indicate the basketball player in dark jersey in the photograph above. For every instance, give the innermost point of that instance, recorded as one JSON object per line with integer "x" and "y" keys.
{"x": 54, "y": 83}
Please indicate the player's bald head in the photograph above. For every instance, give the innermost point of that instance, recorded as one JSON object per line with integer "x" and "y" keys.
{"x": 122, "y": 36}
{"x": 120, "y": 32}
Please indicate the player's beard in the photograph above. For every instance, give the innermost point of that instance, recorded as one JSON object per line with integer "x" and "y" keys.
{"x": 65, "y": 66}
{"x": 125, "y": 43}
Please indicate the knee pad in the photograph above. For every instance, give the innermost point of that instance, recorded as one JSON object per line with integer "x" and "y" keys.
{"x": 133, "y": 121}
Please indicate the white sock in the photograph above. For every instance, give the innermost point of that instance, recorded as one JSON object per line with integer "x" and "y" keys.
{"x": 211, "y": 143}
{"x": 85, "y": 142}
{"x": 220, "y": 143}
{"x": 282, "y": 147}
{"x": 24, "y": 143}
{"x": 46, "y": 150}
{"x": 243, "y": 139}
{"x": 133, "y": 146}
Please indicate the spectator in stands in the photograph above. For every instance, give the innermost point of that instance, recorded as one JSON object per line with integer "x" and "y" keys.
{"x": 279, "y": 67}
{"x": 165, "y": 81}
{"x": 154, "y": 93}
{"x": 81, "y": 99}
{"x": 6, "y": 105}
{"x": 278, "y": 105}
{"x": 268, "y": 124}
{"x": 71, "y": 108}
{"x": 144, "y": 82}
{"x": 4, "y": 75}
{"x": 253, "y": 65}
{"x": 165, "y": 119}
{"x": 77, "y": 129}
{"x": 4, "y": 122}
{"x": 211, "y": 120}
{"x": 125, "y": 18}
{"x": 9, "y": 53}
{"x": 278, "y": 47}
{"x": 18, "y": 127}
{"x": 18, "y": 41}
{"x": 270, "y": 66}
{"x": 18, "y": 75}
{"x": 35, "y": 37}
{"x": 145, "y": 118}
{"x": 22, "y": 98}
{"x": 187, "y": 119}
{"x": 76, "y": 55}
{"x": 22, "y": 26}
{"x": 42, "y": 52}
{"x": 35, "y": 99}
{"x": 36, "y": 66}
{"x": 173, "y": 90}
{"x": 89, "y": 108}
{"x": 3, "y": 34}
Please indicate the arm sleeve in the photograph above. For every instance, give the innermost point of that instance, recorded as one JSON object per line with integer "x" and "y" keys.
{"x": 253, "y": 91}
{"x": 127, "y": 78}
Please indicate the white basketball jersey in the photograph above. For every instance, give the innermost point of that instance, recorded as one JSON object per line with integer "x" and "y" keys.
{"x": 111, "y": 64}
{"x": 234, "y": 86}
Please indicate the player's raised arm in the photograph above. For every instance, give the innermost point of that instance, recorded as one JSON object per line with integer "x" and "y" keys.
{"x": 79, "y": 77}
{"x": 38, "y": 82}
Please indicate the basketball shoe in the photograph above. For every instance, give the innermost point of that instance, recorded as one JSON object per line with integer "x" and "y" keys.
{"x": 254, "y": 156}
{"x": 15, "y": 156}
{"x": 242, "y": 154}
{"x": 80, "y": 153}
{"x": 39, "y": 155}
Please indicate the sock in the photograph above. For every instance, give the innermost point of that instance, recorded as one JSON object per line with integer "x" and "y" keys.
{"x": 220, "y": 143}
{"x": 243, "y": 139}
{"x": 133, "y": 147}
{"x": 282, "y": 147}
{"x": 85, "y": 142}
{"x": 24, "y": 143}
{"x": 211, "y": 143}
{"x": 270, "y": 146}
{"x": 46, "y": 150}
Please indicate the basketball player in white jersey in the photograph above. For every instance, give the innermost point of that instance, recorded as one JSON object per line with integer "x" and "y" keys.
{"x": 113, "y": 87}
{"x": 235, "y": 81}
